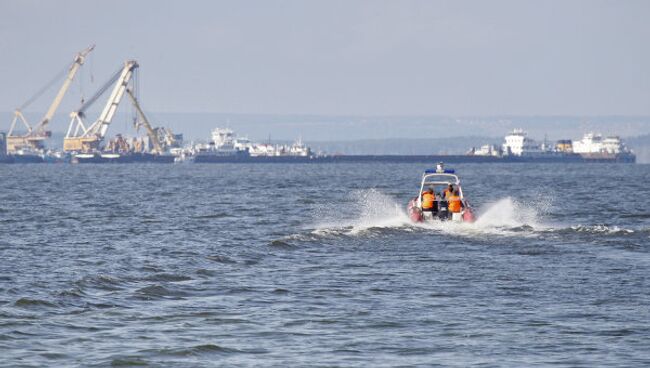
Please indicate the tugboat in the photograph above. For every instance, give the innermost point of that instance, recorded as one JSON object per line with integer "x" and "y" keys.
{"x": 439, "y": 180}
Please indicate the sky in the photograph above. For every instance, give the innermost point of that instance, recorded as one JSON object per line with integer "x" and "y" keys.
{"x": 376, "y": 58}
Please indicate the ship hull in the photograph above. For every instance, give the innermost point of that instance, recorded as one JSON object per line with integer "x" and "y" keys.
{"x": 564, "y": 158}
{"x": 123, "y": 158}
{"x": 252, "y": 159}
{"x": 26, "y": 159}
{"x": 608, "y": 157}
{"x": 151, "y": 158}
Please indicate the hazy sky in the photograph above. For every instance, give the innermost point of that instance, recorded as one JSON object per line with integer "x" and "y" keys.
{"x": 342, "y": 57}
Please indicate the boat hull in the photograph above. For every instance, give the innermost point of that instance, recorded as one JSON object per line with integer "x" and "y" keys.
{"x": 416, "y": 215}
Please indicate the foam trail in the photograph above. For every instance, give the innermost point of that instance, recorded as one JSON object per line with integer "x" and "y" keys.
{"x": 506, "y": 212}
{"x": 372, "y": 209}
{"x": 504, "y": 217}
{"x": 368, "y": 209}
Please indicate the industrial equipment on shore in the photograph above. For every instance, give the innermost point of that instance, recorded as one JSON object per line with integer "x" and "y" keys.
{"x": 161, "y": 138}
{"x": 34, "y": 137}
{"x": 83, "y": 138}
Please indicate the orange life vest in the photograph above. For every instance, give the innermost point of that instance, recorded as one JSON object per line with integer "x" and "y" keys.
{"x": 454, "y": 203}
{"x": 427, "y": 200}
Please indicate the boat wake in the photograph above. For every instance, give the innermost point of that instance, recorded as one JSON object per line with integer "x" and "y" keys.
{"x": 371, "y": 211}
{"x": 365, "y": 210}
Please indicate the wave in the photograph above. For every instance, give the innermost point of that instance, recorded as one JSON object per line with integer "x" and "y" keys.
{"x": 31, "y": 302}
{"x": 599, "y": 229}
{"x": 368, "y": 209}
{"x": 158, "y": 291}
{"x": 372, "y": 213}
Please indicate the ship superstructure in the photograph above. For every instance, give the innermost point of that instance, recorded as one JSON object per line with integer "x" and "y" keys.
{"x": 597, "y": 144}
{"x": 226, "y": 146}
{"x": 517, "y": 143}
{"x": 519, "y": 147}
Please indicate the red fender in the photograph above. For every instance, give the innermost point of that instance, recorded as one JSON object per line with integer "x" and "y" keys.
{"x": 414, "y": 211}
{"x": 468, "y": 215}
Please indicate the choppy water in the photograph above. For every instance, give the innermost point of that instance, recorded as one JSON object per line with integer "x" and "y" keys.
{"x": 317, "y": 265}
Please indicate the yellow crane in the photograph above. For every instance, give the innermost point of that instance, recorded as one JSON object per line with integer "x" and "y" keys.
{"x": 153, "y": 136}
{"x": 82, "y": 137}
{"x": 35, "y": 136}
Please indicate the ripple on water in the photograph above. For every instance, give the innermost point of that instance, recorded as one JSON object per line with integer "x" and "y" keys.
{"x": 29, "y": 303}
{"x": 170, "y": 277}
{"x": 158, "y": 291}
{"x": 204, "y": 349}
{"x": 125, "y": 277}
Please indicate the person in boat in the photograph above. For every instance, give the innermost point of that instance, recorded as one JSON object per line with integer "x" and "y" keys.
{"x": 448, "y": 191}
{"x": 443, "y": 203}
{"x": 429, "y": 204}
{"x": 454, "y": 204}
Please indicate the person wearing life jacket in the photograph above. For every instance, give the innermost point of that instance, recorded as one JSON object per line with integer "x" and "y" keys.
{"x": 454, "y": 205}
{"x": 428, "y": 200}
{"x": 429, "y": 205}
{"x": 447, "y": 191}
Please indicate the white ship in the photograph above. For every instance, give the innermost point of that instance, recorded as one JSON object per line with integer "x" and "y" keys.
{"x": 518, "y": 143}
{"x": 225, "y": 145}
{"x": 519, "y": 147}
{"x": 486, "y": 150}
{"x": 595, "y": 146}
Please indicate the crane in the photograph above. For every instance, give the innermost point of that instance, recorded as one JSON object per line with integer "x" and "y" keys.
{"x": 80, "y": 138}
{"x": 153, "y": 134}
{"x": 34, "y": 137}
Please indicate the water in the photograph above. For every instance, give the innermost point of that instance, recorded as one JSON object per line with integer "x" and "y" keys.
{"x": 318, "y": 265}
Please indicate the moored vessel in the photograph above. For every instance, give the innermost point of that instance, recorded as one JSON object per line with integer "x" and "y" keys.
{"x": 595, "y": 147}
{"x": 226, "y": 147}
{"x": 519, "y": 147}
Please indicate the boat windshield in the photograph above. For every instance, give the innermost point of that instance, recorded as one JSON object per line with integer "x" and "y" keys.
{"x": 439, "y": 182}
{"x": 437, "y": 179}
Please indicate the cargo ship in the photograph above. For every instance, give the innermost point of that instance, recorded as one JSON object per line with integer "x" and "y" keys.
{"x": 225, "y": 147}
{"x": 596, "y": 148}
{"x": 519, "y": 147}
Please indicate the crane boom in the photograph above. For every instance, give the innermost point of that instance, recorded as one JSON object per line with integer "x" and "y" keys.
{"x": 78, "y": 62}
{"x": 80, "y": 138}
{"x": 34, "y": 137}
{"x": 150, "y": 131}
{"x": 114, "y": 100}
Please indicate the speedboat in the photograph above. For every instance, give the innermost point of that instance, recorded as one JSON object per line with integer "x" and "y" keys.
{"x": 439, "y": 179}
